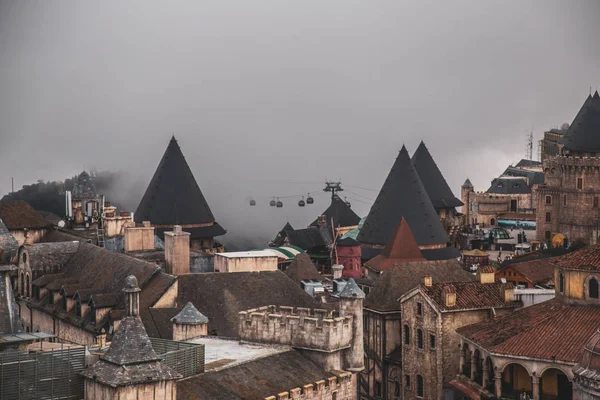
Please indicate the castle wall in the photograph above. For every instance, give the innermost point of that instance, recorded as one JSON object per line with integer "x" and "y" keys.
{"x": 304, "y": 328}
{"x": 39, "y": 321}
{"x": 342, "y": 387}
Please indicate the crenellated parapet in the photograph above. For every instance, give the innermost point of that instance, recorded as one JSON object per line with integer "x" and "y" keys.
{"x": 563, "y": 162}
{"x": 323, "y": 389}
{"x": 306, "y": 328}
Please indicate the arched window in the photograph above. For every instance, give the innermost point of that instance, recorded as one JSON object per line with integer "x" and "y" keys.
{"x": 406, "y": 335}
{"x": 593, "y": 288}
{"x": 561, "y": 282}
{"x": 492, "y": 221}
{"x": 419, "y": 338}
{"x": 28, "y": 287}
{"x": 419, "y": 386}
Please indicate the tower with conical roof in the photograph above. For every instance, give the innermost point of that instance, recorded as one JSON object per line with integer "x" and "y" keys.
{"x": 568, "y": 202}
{"x": 465, "y": 193}
{"x": 437, "y": 188}
{"x": 130, "y": 368}
{"x": 403, "y": 196}
{"x": 173, "y": 197}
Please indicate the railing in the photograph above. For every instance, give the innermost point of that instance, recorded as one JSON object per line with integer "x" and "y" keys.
{"x": 184, "y": 357}
{"x": 51, "y": 374}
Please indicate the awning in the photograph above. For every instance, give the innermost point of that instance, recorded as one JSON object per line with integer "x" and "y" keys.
{"x": 466, "y": 389}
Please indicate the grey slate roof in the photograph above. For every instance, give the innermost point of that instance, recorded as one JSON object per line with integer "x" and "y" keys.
{"x": 173, "y": 195}
{"x": 223, "y": 296}
{"x": 467, "y": 184}
{"x": 509, "y": 186}
{"x": 8, "y": 245}
{"x": 403, "y": 195}
{"x": 436, "y": 186}
{"x": 302, "y": 268}
{"x": 528, "y": 163}
{"x": 190, "y": 316}
{"x": 44, "y": 257}
{"x": 584, "y": 133}
{"x": 306, "y": 239}
{"x": 340, "y": 212}
{"x": 351, "y": 291}
{"x": 533, "y": 177}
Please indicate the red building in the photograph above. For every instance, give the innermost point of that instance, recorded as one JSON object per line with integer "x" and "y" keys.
{"x": 348, "y": 254}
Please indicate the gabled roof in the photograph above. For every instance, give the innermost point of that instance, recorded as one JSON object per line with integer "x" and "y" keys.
{"x": 403, "y": 195}
{"x": 403, "y": 277}
{"x": 538, "y": 271}
{"x": 173, "y": 196}
{"x": 223, "y": 295}
{"x": 469, "y": 295}
{"x": 401, "y": 247}
{"x": 551, "y": 330}
{"x": 19, "y": 215}
{"x": 302, "y": 268}
{"x": 436, "y": 186}
{"x": 340, "y": 212}
{"x": 584, "y": 133}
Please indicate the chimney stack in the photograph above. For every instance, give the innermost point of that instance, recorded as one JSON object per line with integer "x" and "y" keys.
{"x": 449, "y": 292}
{"x": 427, "y": 280}
{"x": 177, "y": 251}
{"x": 507, "y": 292}
{"x": 486, "y": 274}
{"x": 337, "y": 271}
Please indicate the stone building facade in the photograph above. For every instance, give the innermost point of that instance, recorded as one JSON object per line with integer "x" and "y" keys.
{"x": 568, "y": 202}
{"x": 431, "y": 314}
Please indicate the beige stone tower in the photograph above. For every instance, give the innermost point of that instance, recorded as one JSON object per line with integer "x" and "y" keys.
{"x": 351, "y": 304}
{"x": 465, "y": 192}
{"x": 189, "y": 323}
{"x": 177, "y": 251}
{"x": 130, "y": 369}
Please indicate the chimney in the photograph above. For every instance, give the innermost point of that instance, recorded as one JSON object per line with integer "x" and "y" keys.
{"x": 177, "y": 251}
{"x": 427, "y": 280}
{"x": 132, "y": 291}
{"x": 507, "y": 292}
{"x": 449, "y": 293}
{"x": 189, "y": 323}
{"x": 138, "y": 238}
{"x": 337, "y": 271}
{"x": 486, "y": 274}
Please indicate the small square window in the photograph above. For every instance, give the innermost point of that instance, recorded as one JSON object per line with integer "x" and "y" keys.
{"x": 596, "y": 202}
{"x": 548, "y": 217}
{"x": 419, "y": 308}
{"x": 564, "y": 199}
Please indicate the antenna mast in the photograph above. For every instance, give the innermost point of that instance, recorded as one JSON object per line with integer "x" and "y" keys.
{"x": 530, "y": 145}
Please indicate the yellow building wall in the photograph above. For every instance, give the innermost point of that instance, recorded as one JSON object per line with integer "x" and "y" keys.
{"x": 169, "y": 299}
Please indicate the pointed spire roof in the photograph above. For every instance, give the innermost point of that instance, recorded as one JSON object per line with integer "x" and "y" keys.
{"x": 287, "y": 227}
{"x": 351, "y": 291}
{"x": 190, "y": 315}
{"x": 436, "y": 186}
{"x": 402, "y": 247}
{"x": 173, "y": 196}
{"x": 467, "y": 184}
{"x": 340, "y": 212}
{"x": 403, "y": 195}
{"x": 584, "y": 133}
{"x": 302, "y": 268}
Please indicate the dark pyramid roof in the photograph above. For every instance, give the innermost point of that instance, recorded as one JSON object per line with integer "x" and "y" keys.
{"x": 351, "y": 291}
{"x": 584, "y": 133}
{"x": 287, "y": 227}
{"x": 190, "y": 316}
{"x": 403, "y": 195}
{"x": 467, "y": 184}
{"x": 438, "y": 190}
{"x": 302, "y": 268}
{"x": 340, "y": 212}
{"x": 173, "y": 196}
{"x": 130, "y": 344}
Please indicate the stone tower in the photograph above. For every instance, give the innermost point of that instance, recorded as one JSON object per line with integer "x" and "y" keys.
{"x": 465, "y": 192}
{"x": 351, "y": 304}
{"x": 130, "y": 368}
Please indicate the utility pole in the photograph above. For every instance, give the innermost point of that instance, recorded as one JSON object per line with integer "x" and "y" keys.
{"x": 333, "y": 187}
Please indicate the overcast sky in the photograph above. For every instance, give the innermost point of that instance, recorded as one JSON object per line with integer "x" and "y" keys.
{"x": 267, "y": 97}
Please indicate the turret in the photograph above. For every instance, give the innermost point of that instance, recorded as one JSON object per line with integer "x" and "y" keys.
{"x": 351, "y": 304}
{"x": 465, "y": 191}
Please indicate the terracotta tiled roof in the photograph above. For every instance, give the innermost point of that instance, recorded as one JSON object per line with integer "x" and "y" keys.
{"x": 548, "y": 330}
{"x": 589, "y": 364}
{"x": 401, "y": 247}
{"x": 537, "y": 271}
{"x": 403, "y": 277}
{"x": 20, "y": 215}
{"x": 469, "y": 295}
{"x": 488, "y": 269}
{"x": 587, "y": 259}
